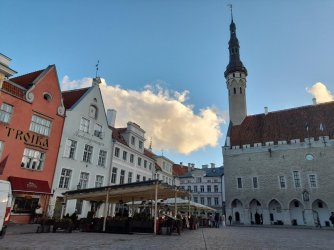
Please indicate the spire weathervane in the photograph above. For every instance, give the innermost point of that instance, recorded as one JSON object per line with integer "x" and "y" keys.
{"x": 230, "y": 5}
{"x": 97, "y": 67}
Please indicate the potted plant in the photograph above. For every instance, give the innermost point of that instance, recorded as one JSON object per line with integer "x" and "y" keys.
{"x": 45, "y": 224}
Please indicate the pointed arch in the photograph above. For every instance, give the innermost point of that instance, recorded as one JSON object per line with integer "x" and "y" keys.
{"x": 275, "y": 212}
{"x": 320, "y": 211}
{"x": 297, "y": 212}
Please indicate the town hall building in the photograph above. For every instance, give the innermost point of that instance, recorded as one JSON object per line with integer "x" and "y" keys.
{"x": 279, "y": 165}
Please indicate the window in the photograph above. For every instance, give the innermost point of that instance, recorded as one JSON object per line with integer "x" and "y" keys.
{"x": 99, "y": 181}
{"x": 78, "y": 206}
{"x": 25, "y": 204}
{"x": 239, "y": 182}
{"x": 150, "y": 166}
{"x": 70, "y": 148}
{"x": 195, "y": 188}
{"x": 33, "y": 159}
{"x": 84, "y": 125}
{"x": 215, "y": 188}
{"x": 144, "y": 178}
{"x": 145, "y": 164}
{"x": 296, "y": 179}
{"x": 83, "y": 182}
{"x": 208, "y": 188}
{"x": 47, "y": 97}
{"x": 117, "y": 152}
{"x": 92, "y": 111}
{"x": 40, "y": 125}
{"x": 132, "y": 158}
{"x": 313, "y": 181}
{"x": 202, "y": 200}
{"x": 102, "y": 158}
{"x": 113, "y": 175}
{"x": 234, "y": 90}
{"x": 209, "y": 201}
{"x": 198, "y": 179}
{"x": 125, "y": 155}
{"x": 202, "y": 189}
{"x": 98, "y": 131}
{"x": 240, "y": 90}
{"x": 1, "y": 148}
{"x": 282, "y": 182}
{"x": 189, "y": 188}
{"x": 129, "y": 177}
{"x": 216, "y": 201}
{"x": 6, "y": 111}
{"x": 209, "y": 181}
{"x": 255, "y": 183}
{"x": 196, "y": 199}
{"x": 140, "y": 144}
{"x": 65, "y": 178}
{"x": 87, "y": 156}
{"x": 139, "y": 161}
{"x": 138, "y": 178}
{"x": 133, "y": 140}
{"x": 122, "y": 177}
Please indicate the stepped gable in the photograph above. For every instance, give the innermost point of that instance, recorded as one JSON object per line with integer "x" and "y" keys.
{"x": 285, "y": 125}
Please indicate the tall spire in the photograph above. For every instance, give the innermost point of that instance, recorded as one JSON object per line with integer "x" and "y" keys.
{"x": 235, "y": 63}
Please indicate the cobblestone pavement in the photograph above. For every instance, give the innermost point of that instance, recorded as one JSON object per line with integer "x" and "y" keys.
{"x": 203, "y": 238}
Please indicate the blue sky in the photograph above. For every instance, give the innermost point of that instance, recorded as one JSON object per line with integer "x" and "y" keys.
{"x": 181, "y": 45}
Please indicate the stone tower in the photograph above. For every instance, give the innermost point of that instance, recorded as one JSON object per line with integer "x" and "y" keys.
{"x": 235, "y": 76}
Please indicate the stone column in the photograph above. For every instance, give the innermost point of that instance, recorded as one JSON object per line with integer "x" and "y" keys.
{"x": 266, "y": 217}
{"x": 247, "y": 220}
{"x": 308, "y": 217}
{"x": 286, "y": 216}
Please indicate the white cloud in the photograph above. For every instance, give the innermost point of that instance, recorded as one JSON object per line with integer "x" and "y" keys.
{"x": 320, "y": 92}
{"x": 163, "y": 114}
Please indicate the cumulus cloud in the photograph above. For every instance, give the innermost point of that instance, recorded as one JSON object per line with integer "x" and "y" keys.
{"x": 162, "y": 113}
{"x": 320, "y": 92}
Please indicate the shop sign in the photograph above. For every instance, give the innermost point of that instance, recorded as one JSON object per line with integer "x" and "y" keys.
{"x": 28, "y": 137}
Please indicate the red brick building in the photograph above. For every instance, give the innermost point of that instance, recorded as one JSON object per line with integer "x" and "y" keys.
{"x": 31, "y": 123}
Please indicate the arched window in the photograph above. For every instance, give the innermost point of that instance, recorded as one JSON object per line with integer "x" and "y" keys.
{"x": 92, "y": 111}
{"x": 240, "y": 90}
{"x": 234, "y": 90}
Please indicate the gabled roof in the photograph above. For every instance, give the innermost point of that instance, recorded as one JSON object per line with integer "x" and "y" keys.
{"x": 26, "y": 80}
{"x": 71, "y": 97}
{"x": 214, "y": 172}
{"x": 285, "y": 125}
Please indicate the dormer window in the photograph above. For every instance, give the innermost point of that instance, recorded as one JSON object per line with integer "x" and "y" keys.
{"x": 92, "y": 111}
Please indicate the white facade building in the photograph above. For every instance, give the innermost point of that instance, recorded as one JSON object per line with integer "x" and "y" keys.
{"x": 85, "y": 152}
{"x": 206, "y": 186}
{"x": 164, "y": 170}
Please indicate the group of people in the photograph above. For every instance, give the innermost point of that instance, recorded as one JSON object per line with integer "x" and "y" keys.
{"x": 216, "y": 220}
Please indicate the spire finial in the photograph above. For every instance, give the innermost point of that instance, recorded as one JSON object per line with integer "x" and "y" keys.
{"x": 97, "y": 67}
{"x": 230, "y": 5}
{"x": 150, "y": 147}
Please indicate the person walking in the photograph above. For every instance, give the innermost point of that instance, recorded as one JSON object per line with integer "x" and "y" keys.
{"x": 217, "y": 220}
{"x": 331, "y": 218}
{"x": 223, "y": 221}
{"x": 230, "y": 219}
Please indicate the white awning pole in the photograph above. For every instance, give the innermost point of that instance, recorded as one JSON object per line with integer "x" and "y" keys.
{"x": 156, "y": 207}
{"x": 105, "y": 211}
{"x": 175, "y": 206}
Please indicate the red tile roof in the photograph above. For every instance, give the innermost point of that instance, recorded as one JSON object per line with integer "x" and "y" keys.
{"x": 14, "y": 90}
{"x": 27, "y": 79}
{"x": 117, "y": 135}
{"x": 149, "y": 154}
{"x": 285, "y": 125}
{"x": 179, "y": 170}
{"x": 72, "y": 96}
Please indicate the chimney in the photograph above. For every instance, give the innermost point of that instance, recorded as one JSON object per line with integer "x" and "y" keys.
{"x": 314, "y": 100}
{"x": 266, "y": 110}
{"x": 5, "y": 71}
{"x": 111, "y": 117}
{"x": 96, "y": 81}
{"x": 213, "y": 165}
{"x": 181, "y": 163}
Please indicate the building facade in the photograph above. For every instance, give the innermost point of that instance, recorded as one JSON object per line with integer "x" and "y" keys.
{"x": 278, "y": 165}
{"x": 84, "y": 157}
{"x": 164, "y": 170}
{"x": 206, "y": 186}
{"x": 31, "y": 123}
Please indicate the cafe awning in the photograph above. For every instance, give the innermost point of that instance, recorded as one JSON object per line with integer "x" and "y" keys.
{"x": 32, "y": 186}
{"x": 137, "y": 191}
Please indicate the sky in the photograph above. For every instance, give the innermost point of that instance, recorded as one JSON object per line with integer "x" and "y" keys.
{"x": 162, "y": 62}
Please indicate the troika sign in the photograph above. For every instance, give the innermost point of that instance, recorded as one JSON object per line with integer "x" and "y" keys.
{"x": 28, "y": 137}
